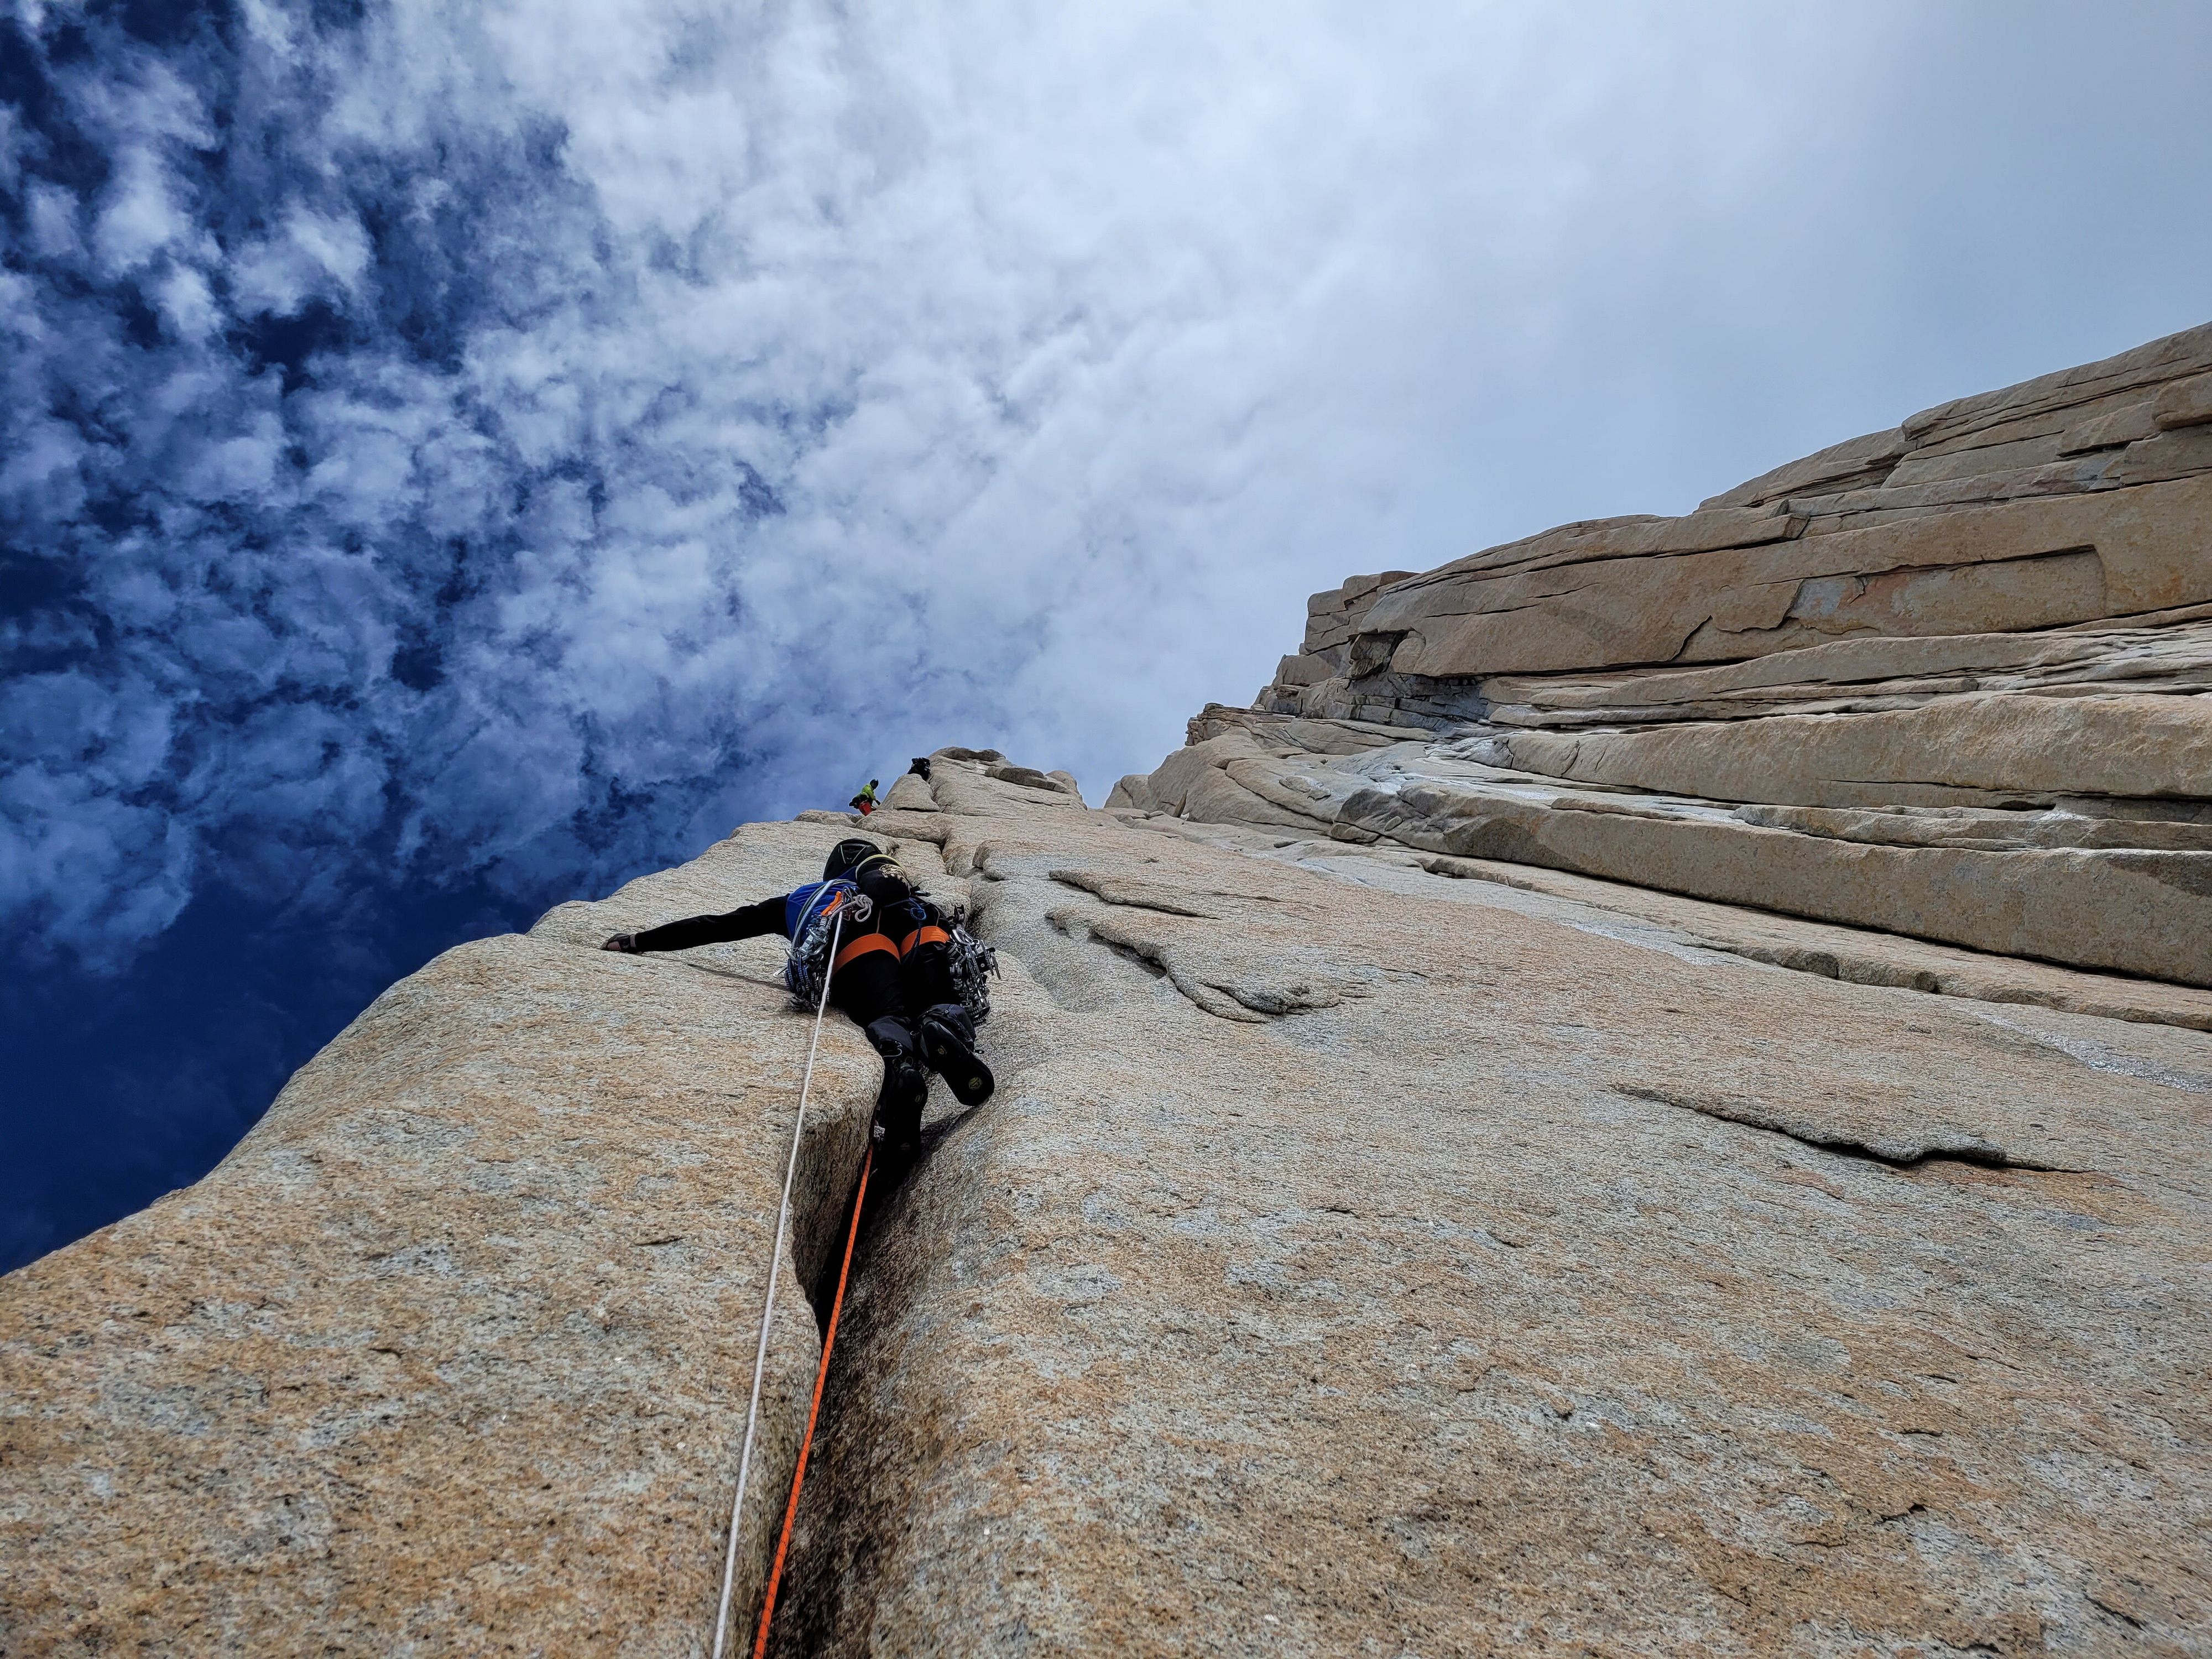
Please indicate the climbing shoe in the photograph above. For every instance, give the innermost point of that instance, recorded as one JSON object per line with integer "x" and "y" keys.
{"x": 895, "y": 1159}
{"x": 896, "y": 1132}
{"x": 891, "y": 1037}
{"x": 905, "y": 1093}
{"x": 948, "y": 1043}
{"x": 906, "y": 1086}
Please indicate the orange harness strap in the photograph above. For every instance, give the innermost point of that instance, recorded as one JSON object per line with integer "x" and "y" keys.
{"x": 821, "y": 1375}
{"x": 861, "y": 946}
{"x": 922, "y": 936}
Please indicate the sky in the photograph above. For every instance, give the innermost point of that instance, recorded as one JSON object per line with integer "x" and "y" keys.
{"x": 455, "y": 457}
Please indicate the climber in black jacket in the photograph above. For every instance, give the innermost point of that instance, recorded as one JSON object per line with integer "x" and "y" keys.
{"x": 893, "y": 978}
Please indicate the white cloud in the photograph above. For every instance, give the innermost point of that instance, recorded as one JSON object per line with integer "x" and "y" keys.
{"x": 315, "y": 254}
{"x": 188, "y": 304}
{"x": 725, "y": 404}
{"x": 52, "y": 222}
{"x": 140, "y": 220}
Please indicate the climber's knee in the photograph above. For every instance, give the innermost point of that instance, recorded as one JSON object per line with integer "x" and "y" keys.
{"x": 893, "y": 1038}
{"x": 954, "y": 1015}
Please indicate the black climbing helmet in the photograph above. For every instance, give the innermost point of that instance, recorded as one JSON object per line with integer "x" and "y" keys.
{"x": 846, "y": 857}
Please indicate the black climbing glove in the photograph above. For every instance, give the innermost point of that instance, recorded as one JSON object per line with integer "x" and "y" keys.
{"x": 626, "y": 943}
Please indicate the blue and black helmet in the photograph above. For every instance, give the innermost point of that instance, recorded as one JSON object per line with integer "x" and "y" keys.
{"x": 847, "y": 856}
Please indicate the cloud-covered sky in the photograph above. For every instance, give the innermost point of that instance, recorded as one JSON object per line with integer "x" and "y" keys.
{"x": 456, "y": 455}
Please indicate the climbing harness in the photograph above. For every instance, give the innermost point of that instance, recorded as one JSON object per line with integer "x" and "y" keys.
{"x": 972, "y": 965}
{"x": 832, "y": 912}
{"x": 806, "y": 1442}
{"x": 927, "y": 934}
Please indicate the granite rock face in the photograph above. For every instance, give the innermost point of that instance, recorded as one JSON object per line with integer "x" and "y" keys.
{"x": 1376, "y": 1251}
{"x": 1366, "y": 1249}
{"x": 1681, "y": 1125}
{"x": 451, "y": 1353}
{"x": 1953, "y": 680}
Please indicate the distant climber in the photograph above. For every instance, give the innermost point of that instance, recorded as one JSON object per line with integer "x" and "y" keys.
{"x": 865, "y": 802}
{"x": 893, "y": 976}
{"x": 920, "y": 767}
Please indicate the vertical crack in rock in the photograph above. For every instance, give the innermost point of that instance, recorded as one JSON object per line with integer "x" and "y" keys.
{"x": 454, "y": 1350}
{"x": 1404, "y": 1323}
{"x": 1146, "y": 1292}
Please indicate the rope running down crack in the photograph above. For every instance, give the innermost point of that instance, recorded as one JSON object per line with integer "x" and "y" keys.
{"x": 768, "y": 1305}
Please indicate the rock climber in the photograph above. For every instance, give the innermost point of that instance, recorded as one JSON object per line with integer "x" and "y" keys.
{"x": 893, "y": 978}
{"x": 865, "y": 802}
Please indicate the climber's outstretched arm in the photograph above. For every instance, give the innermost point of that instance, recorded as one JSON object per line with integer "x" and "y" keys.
{"x": 749, "y": 922}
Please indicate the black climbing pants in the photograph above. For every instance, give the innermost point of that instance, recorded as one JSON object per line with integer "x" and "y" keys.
{"x": 865, "y": 986}
{"x": 873, "y": 983}
{"x": 886, "y": 992}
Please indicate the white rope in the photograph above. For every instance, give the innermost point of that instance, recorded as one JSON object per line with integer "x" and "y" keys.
{"x": 768, "y": 1307}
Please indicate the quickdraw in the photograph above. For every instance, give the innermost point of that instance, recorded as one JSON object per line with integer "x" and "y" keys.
{"x": 974, "y": 965}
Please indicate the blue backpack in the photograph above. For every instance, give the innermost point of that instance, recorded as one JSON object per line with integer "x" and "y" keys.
{"x": 810, "y": 915}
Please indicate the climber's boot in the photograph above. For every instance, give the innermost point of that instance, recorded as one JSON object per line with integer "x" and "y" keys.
{"x": 896, "y": 1134}
{"x": 895, "y": 1155}
{"x": 948, "y": 1043}
{"x": 906, "y": 1085}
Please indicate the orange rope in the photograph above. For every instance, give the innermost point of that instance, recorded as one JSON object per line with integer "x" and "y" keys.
{"x": 821, "y": 1375}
